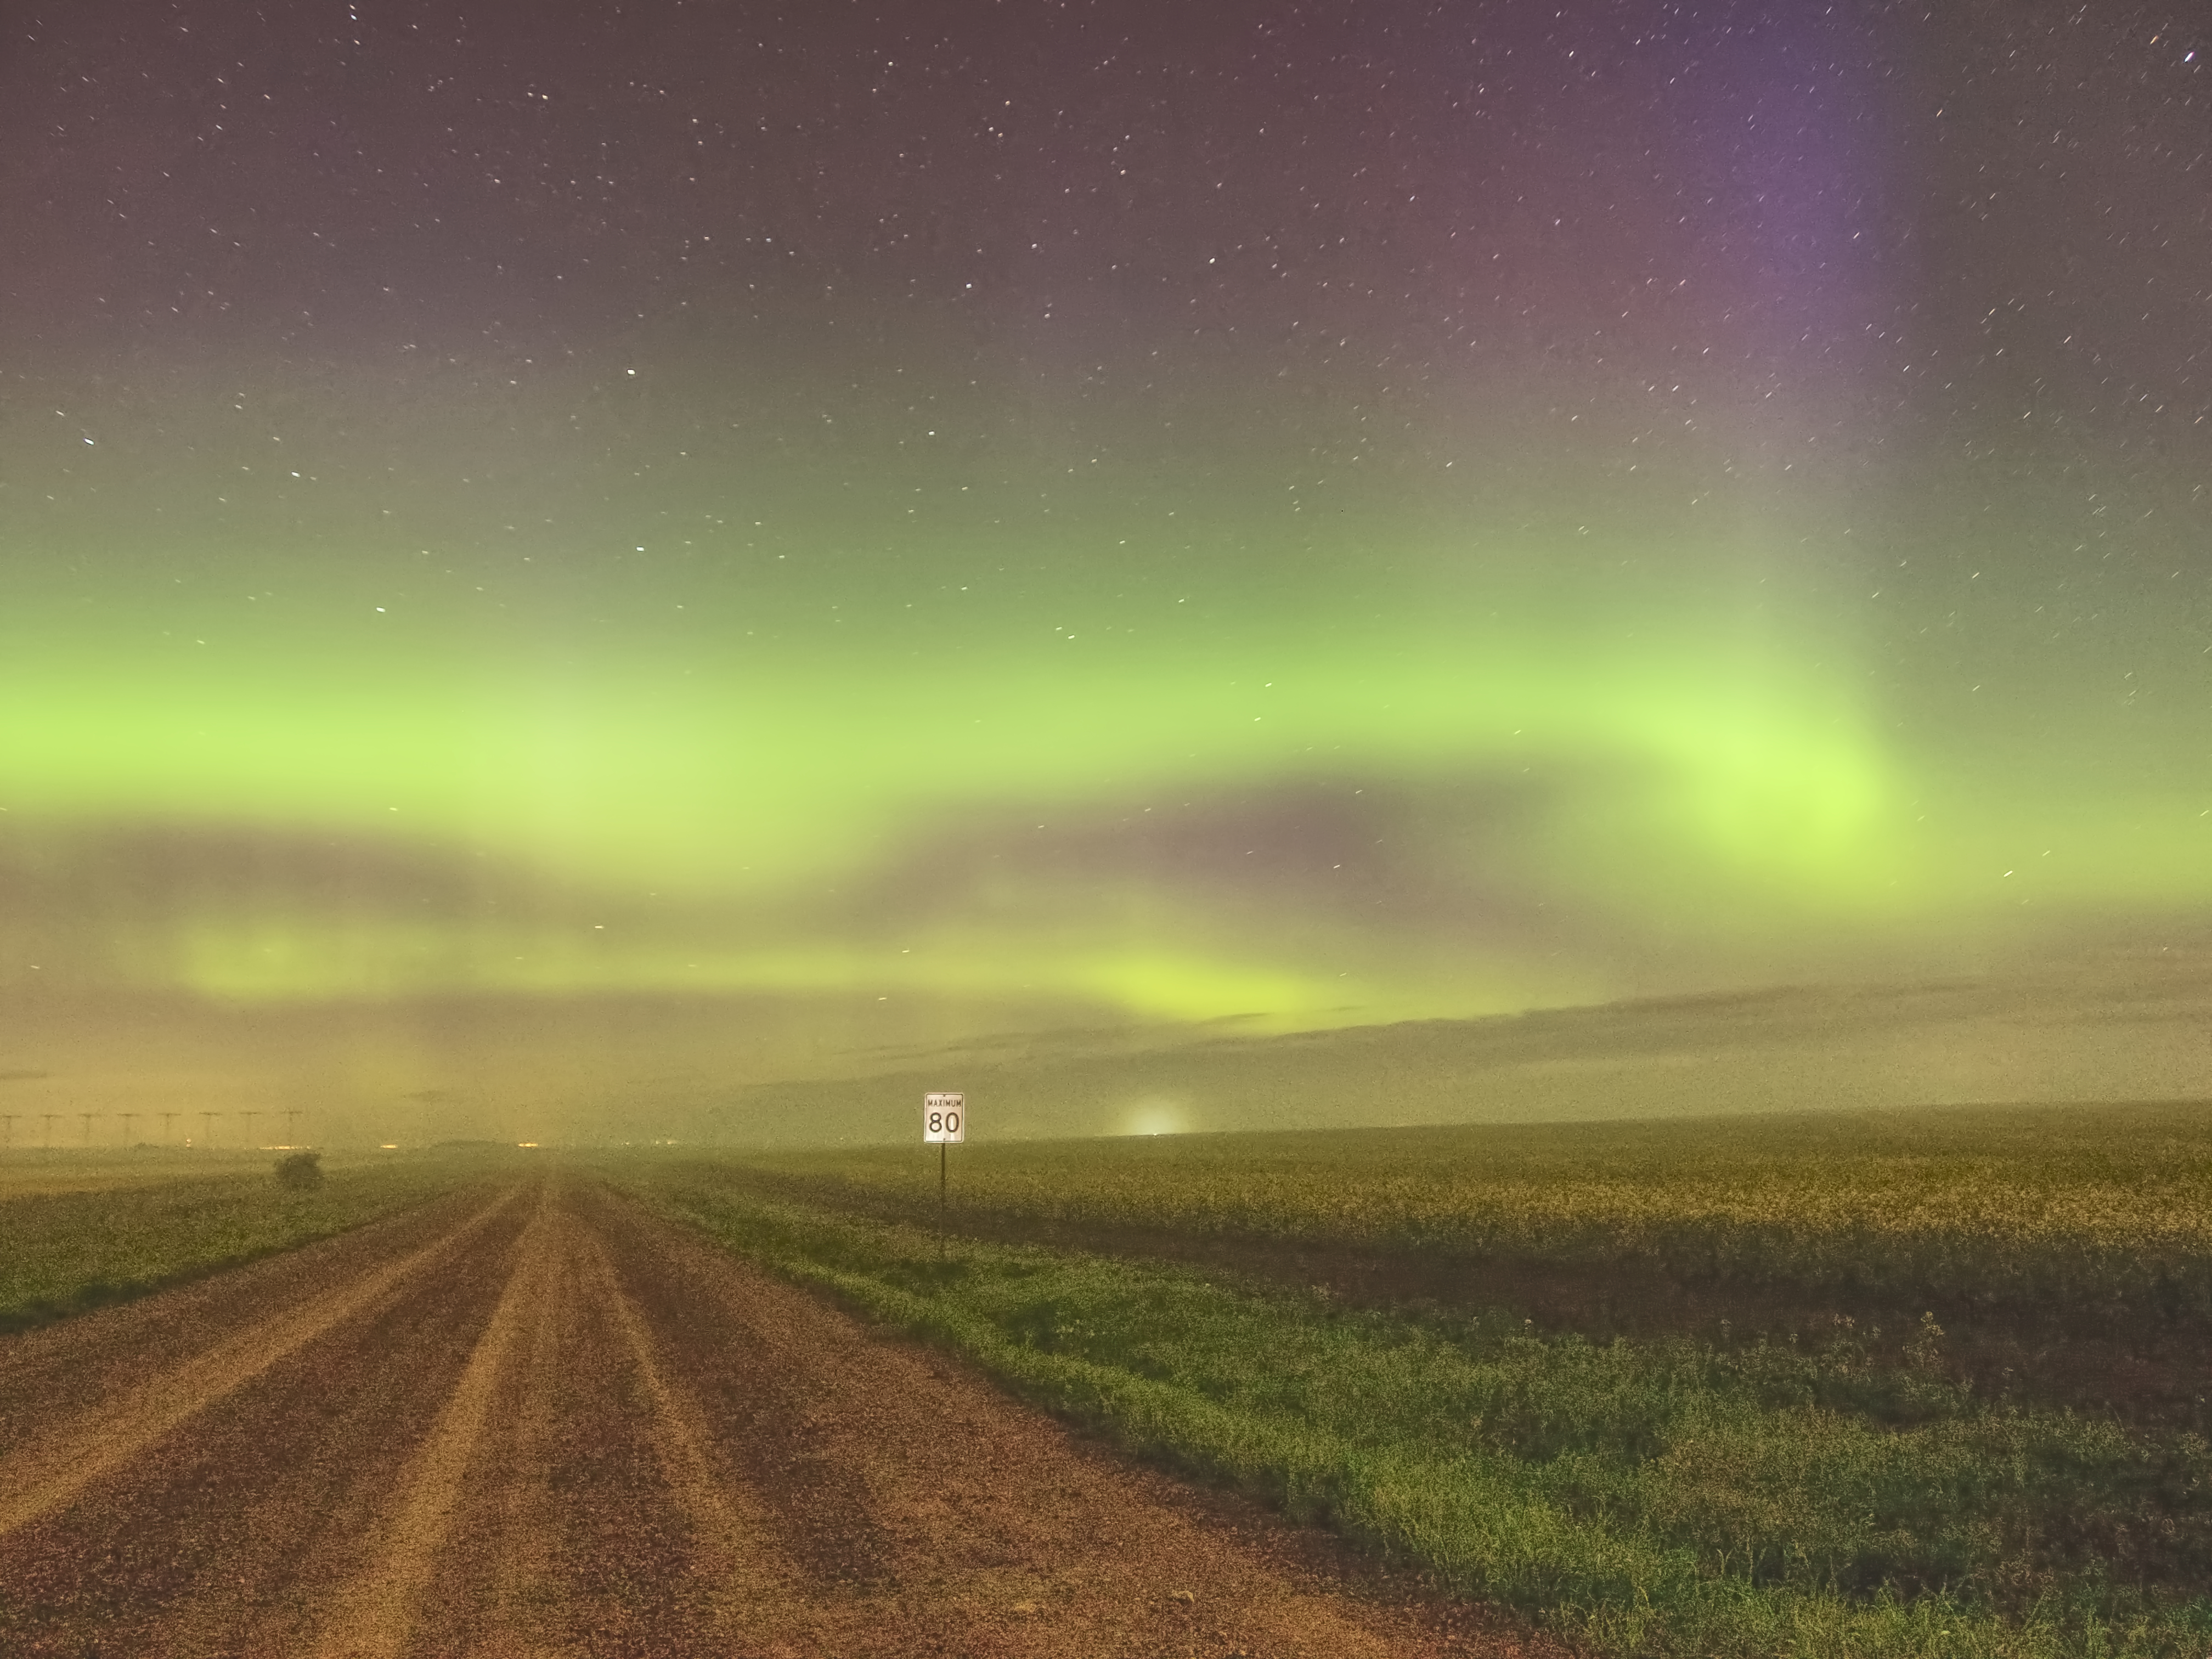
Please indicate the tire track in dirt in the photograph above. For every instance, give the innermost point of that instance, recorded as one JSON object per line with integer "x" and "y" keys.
{"x": 595, "y": 1519}
{"x": 566, "y": 1427}
{"x": 741, "y": 1557}
{"x": 373, "y": 1616}
{"x": 224, "y": 1536}
{"x": 977, "y": 1527}
{"x": 769, "y": 1439}
{"x": 94, "y": 1358}
{"x": 46, "y": 1475}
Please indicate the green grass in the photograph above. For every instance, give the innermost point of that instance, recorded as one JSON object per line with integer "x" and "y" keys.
{"x": 1662, "y": 1497}
{"x": 67, "y": 1252}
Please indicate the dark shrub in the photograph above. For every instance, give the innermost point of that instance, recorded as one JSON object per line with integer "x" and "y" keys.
{"x": 300, "y": 1172}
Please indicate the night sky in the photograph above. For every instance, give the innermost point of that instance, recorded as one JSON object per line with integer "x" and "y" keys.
{"x": 965, "y": 513}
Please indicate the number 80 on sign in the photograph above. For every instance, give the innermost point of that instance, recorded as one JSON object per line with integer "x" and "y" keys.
{"x": 944, "y": 1118}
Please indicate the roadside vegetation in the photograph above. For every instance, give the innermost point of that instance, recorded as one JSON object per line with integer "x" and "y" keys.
{"x": 67, "y": 1251}
{"x": 1687, "y": 1492}
{"x": 2093, "y": 1213}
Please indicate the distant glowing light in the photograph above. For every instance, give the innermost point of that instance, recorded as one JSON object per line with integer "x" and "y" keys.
{"x": 1156, "y": 1117}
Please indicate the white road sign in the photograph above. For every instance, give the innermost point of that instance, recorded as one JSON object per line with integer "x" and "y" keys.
{"x": 944, "y": 1117}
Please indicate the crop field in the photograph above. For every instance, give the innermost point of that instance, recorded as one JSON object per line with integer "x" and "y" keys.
{"x": 2083, "y": 1212}
{"x": 77, "y": 1234}
{"x": 1889, "y": 1385}
{"x": 28, "y": 1172}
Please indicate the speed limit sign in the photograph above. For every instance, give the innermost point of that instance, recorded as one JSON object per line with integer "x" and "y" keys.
{"x": 943, "y": 1118}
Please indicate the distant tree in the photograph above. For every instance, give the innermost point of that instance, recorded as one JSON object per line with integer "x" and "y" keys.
{"x": 299, "y": 1172}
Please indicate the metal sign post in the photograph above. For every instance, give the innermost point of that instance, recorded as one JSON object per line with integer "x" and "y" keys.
{"x": 944, "y": 1120}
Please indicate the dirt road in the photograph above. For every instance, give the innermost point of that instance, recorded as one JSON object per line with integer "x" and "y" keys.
{"x": 536, "y": 1421}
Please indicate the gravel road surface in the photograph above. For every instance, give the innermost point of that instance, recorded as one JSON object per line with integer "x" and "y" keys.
{"x": 536, "y": 1420}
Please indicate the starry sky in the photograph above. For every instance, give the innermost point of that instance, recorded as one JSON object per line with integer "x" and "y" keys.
{"x": 963, "y": 514}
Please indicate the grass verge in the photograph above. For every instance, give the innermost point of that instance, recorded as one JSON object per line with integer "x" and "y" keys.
{"x": 1662, "y": 1498}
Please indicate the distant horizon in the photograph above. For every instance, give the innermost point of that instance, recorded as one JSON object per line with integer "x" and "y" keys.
{"x": 2104, "y": 1025}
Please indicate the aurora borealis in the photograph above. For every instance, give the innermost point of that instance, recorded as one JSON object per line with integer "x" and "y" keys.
{"x": 999, "y": 514}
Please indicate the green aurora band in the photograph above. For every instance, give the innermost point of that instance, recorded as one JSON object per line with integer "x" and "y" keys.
{"x": 1676, "y": 763}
